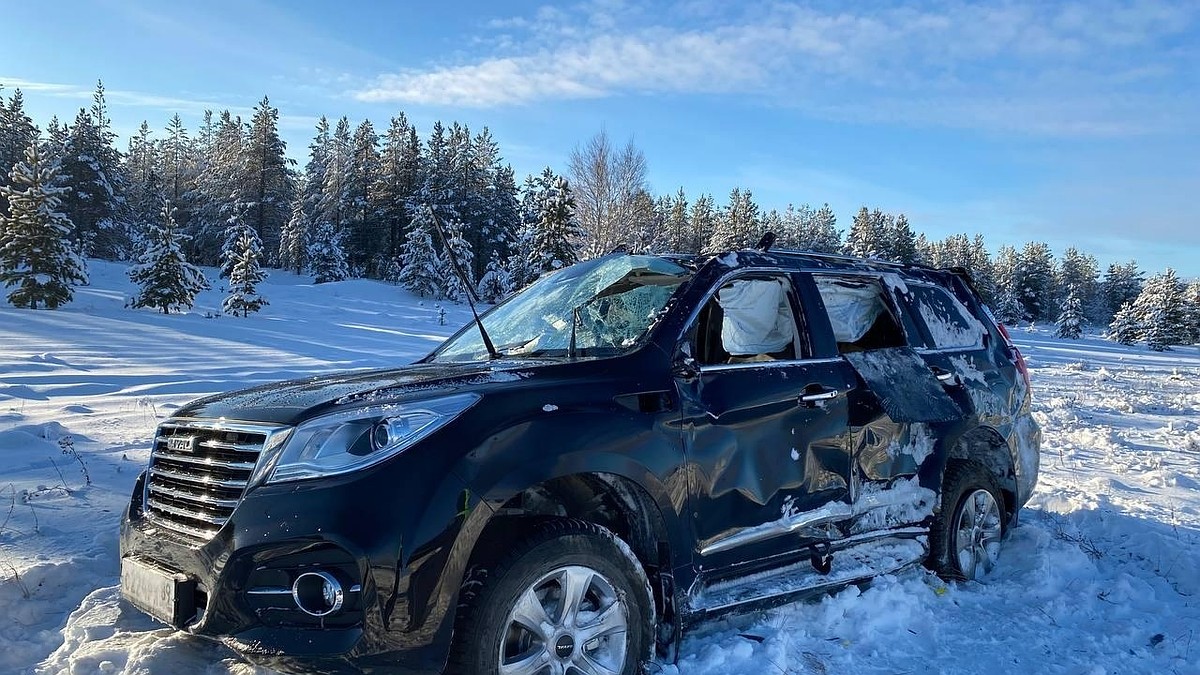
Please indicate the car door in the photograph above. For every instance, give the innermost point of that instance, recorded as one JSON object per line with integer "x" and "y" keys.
{"x": 956, "y": 349}
{"x": 765, "y": 433}
{"x": 897, "y": 402}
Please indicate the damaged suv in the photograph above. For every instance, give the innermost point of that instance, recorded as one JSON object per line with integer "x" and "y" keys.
{"x": 628, "y": 446}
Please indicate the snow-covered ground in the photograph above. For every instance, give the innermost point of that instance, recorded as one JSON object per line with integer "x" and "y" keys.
{"x": 1102, "y": 576}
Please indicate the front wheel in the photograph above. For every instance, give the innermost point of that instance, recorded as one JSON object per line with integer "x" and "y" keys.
{"x": 570, "y": 600}
{"x": 966, "y": 533}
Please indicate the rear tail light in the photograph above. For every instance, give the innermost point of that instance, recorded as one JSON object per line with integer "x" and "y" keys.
{"x": 1022, "y": 367}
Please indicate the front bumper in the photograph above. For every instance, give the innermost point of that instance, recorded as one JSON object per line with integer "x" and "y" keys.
{"x": 394, "y": 617}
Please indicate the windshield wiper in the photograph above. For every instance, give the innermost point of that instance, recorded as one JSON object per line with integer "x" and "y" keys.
{"x": 574, "y": 323}
{"x": 462, "y": 277}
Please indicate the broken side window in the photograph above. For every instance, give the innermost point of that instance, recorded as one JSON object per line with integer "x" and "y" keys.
{"x": 748, "y": 320}
{"x": 861, "y": 318}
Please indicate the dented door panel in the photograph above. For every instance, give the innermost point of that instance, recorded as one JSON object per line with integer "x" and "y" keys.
{"x": 759, "y": 455}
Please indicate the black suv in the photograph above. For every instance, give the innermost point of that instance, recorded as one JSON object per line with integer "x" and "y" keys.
{"x": 644, "y": 442}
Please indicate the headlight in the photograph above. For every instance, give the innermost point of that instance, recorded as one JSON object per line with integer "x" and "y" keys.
{"x": 359, "y": 438}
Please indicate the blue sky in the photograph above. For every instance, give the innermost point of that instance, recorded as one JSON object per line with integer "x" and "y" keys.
{"x": 1071, "y": 123}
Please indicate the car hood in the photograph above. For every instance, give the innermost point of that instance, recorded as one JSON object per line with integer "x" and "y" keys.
{"x": 293, "y": 401}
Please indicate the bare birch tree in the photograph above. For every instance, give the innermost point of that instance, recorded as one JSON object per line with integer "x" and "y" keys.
{"x": 606, "y": 182}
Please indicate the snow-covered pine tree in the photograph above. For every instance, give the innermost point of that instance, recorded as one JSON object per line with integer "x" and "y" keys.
{"x": 1070, "y": 318}
{"x": 90, "y": 165}
{"x": 678, "y": 227}
{"x": 1125, "y": 328}
{"x": 231, "y": 247}
{"x": 1161, "y": 312}
{"x": 17, "y": 132}
{"x": 293, "y": 251}
{"x": 326, "y": 256}
{"x": 37, "y": 259}
{"x": 738, "y": 225}
{"x": 1081, "y": 271}
{"x": 902, "y": 241}
{"x": 335, "y": 196}
{"x": 823, "y": 235}
{"x": 495, "y": 284}
{"x": 451, "y": 287}
{"x": 308, "y": 207}
{"x": 223, "y": 193}
{"x": 704, "y": 221}
{"x": 1122, "y": 284}
{"x": 866, "y": 238}
{"x": 399, "y": 179}
{"x": 555, "y": 234}
{"x": 418, "y": 270}
{"x": 1035, "y": 275}
{"x": 165, "y": 278}
{"x": 269, "y": 186}
{"x": 1007, "y": 307}
{"x": 1191, "y": 300}
{"x": 245, "y": 273}
{"x": 364, "y": 231}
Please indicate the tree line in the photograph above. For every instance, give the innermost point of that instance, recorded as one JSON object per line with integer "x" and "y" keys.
{"x": 394, "y": 205}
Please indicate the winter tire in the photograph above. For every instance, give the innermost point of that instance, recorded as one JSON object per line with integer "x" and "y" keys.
{"x": 967, "y": 531}
{"x": 569, "y": 600}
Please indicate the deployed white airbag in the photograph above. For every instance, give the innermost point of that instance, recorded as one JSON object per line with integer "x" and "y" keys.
{"x": 757, "y": 317}
{"x": 852, "y": 309}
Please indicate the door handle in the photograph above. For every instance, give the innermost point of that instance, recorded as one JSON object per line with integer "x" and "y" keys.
{"x": 944, "y": 376}
{"x": 826, "y": 395}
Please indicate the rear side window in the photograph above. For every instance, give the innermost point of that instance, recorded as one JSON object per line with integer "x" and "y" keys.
{"x": 859, "y": 314}
{"x": 950, "y": 325}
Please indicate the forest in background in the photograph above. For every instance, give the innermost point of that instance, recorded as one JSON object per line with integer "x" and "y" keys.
{"x": 389, "y": 203}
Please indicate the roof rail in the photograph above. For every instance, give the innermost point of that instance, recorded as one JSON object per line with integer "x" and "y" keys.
{"x": 841, "y": 257}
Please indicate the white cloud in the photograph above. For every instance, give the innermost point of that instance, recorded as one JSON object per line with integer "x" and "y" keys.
{"x": 1009, "y": 61}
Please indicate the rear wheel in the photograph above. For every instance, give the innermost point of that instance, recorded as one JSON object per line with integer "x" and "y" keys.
{"x": 569, "y": 600}
{"x": 967, "y": 531}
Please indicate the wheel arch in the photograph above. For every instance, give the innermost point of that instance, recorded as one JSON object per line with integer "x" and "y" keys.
{"x": 985, "y": 446}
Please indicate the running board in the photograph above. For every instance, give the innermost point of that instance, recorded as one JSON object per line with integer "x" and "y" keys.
{"x": 853, "y": 564}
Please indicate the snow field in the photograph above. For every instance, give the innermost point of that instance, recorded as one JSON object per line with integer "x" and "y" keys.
{"x": 1101, "y": 576}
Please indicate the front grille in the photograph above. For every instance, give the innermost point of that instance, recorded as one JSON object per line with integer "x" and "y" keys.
{"x": 196, "y": 480}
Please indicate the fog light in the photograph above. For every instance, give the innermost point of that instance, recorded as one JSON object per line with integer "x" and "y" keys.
{"x": 318, "y": 593}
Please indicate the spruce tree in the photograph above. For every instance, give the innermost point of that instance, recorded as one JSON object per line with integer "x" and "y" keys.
{"x": 1035, "y": 277}
{"x": 231, "y": 248}
{"x": 96, "y": 203}
{"x": 326, "y": 256}
{"x": 1161, "y": 311}
{"x": 419, "y": 271}
{"x": 245, "y": 273}
{"x": 37, "y": 259}
{"x": 364, "y": 231}
{"x": 495, "y": 284}
{"x": 1125, "y": 327}
{"x": 17, "y": 132}
{"x": 738, "y": 225}
{"x": 456, "y": 257}
{"x": 902, "y": 241}
{"x": 556, "y": 232}
{"x": 1070, "y": 319}
{"x": 704, "y": 221}
{"x": 1191, "y": 299}
{"x": 867, "y": 235}
{"x": 1122, "y": 284}
{"x": 823, "y": 235}
{"x": 166, "y": 280}
{"x": 269, "y": 186}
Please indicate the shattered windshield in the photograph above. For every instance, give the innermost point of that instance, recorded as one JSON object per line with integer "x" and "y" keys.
{"x": 601, "y": 307}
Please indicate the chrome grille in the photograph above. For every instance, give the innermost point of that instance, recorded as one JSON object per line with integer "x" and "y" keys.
{"x": 199, "y": 470}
